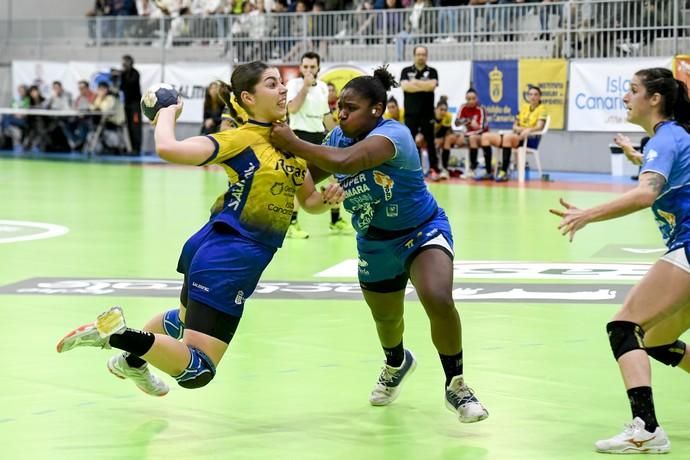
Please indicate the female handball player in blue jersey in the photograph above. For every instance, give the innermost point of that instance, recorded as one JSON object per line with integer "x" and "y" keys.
{"x": 222, "y": 262}
{"x": 401, "y": 234}
{"x": 657, "y": 310}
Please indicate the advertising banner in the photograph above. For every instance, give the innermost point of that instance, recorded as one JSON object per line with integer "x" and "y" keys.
{"x": 595, "y": 97}
{"x": 496, "y": 83}
{"x": 550, "y": 75}
{"x": 191, "y": 82}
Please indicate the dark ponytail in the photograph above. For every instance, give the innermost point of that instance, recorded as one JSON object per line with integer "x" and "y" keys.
{"x": 245, "y": 77}
{"x": 225, "y": 94}
{"x": 681, "y": 109}
{"x": 674, "y": 93}
{"x": 373, "y": 88}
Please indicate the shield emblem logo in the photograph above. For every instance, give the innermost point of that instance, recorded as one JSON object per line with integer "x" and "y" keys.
{"x": 277, "y": 188}
{"x": 496, "y": 85}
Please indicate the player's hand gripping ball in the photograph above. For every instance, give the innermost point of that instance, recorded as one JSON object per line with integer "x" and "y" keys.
{"x": 158, "y": 96}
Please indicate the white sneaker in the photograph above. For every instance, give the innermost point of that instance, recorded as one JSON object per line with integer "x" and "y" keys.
{"x": 443, "y": 175}
{"x": 461, "y": 400}
{"x": 95, "y": 334}
{"x": 387, "y": 387}
{"x": 635, "y": 440}
{"x": 143, "y": 378}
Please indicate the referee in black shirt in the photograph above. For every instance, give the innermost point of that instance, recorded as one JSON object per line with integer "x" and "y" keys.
{"x": 419, "y": 82}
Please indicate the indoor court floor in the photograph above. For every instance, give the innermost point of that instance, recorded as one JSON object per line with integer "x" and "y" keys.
{"x": 77, "y": 238}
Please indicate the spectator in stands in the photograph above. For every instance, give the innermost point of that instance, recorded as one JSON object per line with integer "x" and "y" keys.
{"x": 213, "y": 110}
{"x": 418, "y": 20}
{"x": 365, "y": 24}
{"x": 333, "y": 101}
{"x": 580, "y": 35}
{"x": 310, "y": 119}
{"x": 100, "y": 8}
{"x": 393, "y": 111}
{"x": 320, "y": 28}
{"x": 178, "y": 11}
{"x": 58, "y": 127}
{"x": 113, "y": 123}
{"x": 79, "y": 127}
{"x": 59, "y": 99}
{"x": 531, "y": 118}
{"x": 443, "y": 135}
{"x": 258, "y": 29}
{"x": 448, "y": 16}
{"x": 149, "y": 18}
{"x": 131, "y": 89}
{"x": 121, "y": 10}
{"x": 282, "y": 30}
{"x": 34, "y": 138}
{"x": 547, "y": 10}
{"x": 473, "y": 120}
{"x": 86, "y": 96}
{"x": 204, "y": 25}
{"x": 13, "y": 126}
{"x": 418, "y": 82}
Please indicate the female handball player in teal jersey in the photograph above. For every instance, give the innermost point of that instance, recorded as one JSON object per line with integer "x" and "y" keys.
{"x": 657, "y": 310}
{"x": 402, "y": 234}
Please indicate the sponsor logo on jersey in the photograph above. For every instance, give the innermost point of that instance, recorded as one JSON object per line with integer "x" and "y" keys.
{"x": 385, "y": 182}
{"x": 392, "y": 210}
{"x": 287, "y": 210}
{"x": 295, "y": 174}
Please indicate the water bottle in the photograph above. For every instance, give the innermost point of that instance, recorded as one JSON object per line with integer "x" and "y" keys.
{"x": 527, "y": 171}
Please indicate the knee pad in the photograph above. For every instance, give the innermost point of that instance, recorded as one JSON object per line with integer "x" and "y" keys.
{"x": 172, "y": 325}
{"x": 624, "y": 336}
{"x": 199, "y": 372}
{"x": 671, "y": 354}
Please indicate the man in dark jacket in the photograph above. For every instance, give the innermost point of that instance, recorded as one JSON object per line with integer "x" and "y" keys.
{"x": 131, "y": 89}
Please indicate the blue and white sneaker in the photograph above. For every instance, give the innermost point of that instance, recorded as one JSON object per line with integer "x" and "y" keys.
{"x": 461, "y": 400}
{"x": 387, "y": 388}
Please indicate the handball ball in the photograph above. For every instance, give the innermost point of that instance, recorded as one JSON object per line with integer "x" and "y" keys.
{"x": 156, "y": 97}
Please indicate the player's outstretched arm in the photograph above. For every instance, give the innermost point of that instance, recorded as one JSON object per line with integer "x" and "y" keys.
{"x": 315, "y": 202}
{"x": 366, "y": 154}
{"x": 631, "y": 154}
{"x": 641, "y": 197}
{"x": 190, "y": 151}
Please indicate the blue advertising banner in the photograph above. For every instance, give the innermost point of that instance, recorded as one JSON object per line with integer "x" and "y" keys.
{"x": 496, "y": 83}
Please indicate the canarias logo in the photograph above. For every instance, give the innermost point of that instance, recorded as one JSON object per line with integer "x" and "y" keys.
{"x": 386, "y": 184}
{"x": 340, "y": 75}
{"x": 496, "y": 85}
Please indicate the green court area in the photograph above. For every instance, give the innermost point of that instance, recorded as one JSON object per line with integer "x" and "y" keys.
{"x": 76, "y": 239}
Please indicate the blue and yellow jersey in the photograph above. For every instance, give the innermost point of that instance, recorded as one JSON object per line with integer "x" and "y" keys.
{"x": 262, "y": 183}
{"x": 528, "y": 118}
{"x": 668, "y": 153}
{"x": 391, "y": 196}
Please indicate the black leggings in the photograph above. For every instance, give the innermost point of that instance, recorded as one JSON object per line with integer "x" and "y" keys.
{"x": 208, "y": 320}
